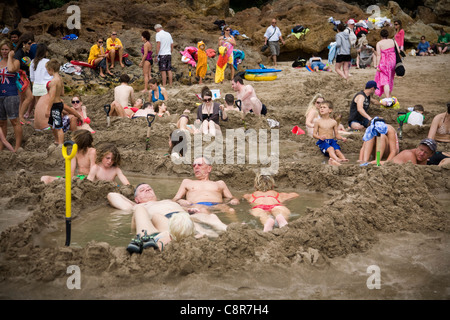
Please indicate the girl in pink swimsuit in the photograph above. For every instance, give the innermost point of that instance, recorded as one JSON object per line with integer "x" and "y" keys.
{"x": 268, "y": 203}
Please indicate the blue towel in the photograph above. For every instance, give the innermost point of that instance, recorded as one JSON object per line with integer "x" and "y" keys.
{"x": 331, "y": 53}
{"x": 70, "y": 37}
{"x": 375, "y": 128}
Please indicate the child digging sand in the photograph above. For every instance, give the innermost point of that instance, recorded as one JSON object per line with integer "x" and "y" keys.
{"x": 326, "y": 131}
{"x": 269, "y": 206}
{"x": 107, "y": 164}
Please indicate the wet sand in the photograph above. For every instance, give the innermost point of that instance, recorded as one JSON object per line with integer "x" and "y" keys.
{"x": 393, "y": 216}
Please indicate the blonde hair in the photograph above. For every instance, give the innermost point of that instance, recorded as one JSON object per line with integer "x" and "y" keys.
{"x": 264, "y": 182}
{"x": 53, "y": 65}
{"x": 312, "y": 103}
{"x": 181, "y": 226}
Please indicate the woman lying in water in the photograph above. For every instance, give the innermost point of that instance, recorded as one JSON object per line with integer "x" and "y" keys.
{"x": 269, "y": 206}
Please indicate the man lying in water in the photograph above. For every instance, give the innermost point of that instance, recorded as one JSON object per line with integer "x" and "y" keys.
{"x": 150, "y": 214}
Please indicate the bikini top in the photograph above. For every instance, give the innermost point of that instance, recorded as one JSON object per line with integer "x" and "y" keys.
{"x": 275, "y": 197}
{"x": 160, "y": 96}
{"x": 441, "y": 129}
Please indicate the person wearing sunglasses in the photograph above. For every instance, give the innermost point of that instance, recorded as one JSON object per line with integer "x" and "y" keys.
{"x": 209, "y": 113}
{"x": 97, "y": 58}
{"x": 114, "y": 47}
{"x": 79, "y": 107}
{"x": 203, "y": 193}
{"x": 227, "y": 37}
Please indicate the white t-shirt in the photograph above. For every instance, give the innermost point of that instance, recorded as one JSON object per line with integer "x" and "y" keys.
{"x": 40, "y": 75}
{"x": 415, "y": 118}
{"x": 270, "y": 30}
{"x": 166, "y": 41}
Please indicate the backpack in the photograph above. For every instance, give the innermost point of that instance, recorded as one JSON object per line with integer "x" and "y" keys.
{"x": 360, "y": 31}
{"x": 298, "y": 29}
{"x": 299, "y": 63}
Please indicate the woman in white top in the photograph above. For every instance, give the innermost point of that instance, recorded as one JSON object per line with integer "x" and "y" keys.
{"x": 38, "y": 73}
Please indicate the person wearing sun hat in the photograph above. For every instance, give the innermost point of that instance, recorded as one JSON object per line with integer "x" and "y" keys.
{"x": 350, "y": 31}
{"x": 359, "y": 118}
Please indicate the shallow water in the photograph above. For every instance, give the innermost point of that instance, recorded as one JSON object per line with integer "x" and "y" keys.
{"x": 107, "y": 224}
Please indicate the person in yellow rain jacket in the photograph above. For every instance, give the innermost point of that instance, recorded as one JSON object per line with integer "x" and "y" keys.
{"x": 202, "y": 61}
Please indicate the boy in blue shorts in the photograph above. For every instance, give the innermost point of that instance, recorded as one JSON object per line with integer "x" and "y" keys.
{"x": 326, "y": 131}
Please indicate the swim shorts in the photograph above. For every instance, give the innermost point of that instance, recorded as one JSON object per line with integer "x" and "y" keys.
{"x": 9, "y": 107}
{"x": 274, "y": 47}
{"x": 325, "y": 144}
{"x": 208, "y": 204}
{"x": 364, "y": 122}
{"x": 436, "y": 158}
{"x": 55, "y": 120}
{"x": 343, "y": 58}
{"x": 165, "y": 62}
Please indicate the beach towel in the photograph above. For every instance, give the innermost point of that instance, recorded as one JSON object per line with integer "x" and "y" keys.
{"x": 332, "y": 52}
{"x": 202, "y": 62}
{"x": 238, "y": 56}
{"x": 375, "y": 128}
{"x": 221, "y": 65}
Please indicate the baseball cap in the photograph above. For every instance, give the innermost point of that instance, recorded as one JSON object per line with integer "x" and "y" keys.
{"x": 351, "y": 21}
{"x": 371, "y": 84}
{"x": 430, "y": 143}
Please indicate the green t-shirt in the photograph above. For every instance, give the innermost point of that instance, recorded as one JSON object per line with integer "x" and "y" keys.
{"x": 445, "y": 38}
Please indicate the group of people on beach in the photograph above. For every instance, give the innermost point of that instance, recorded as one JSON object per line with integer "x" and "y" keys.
{"x": 157, "y": 222}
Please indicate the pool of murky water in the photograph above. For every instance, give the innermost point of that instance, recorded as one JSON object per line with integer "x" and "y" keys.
{"x": 113, "y": 226}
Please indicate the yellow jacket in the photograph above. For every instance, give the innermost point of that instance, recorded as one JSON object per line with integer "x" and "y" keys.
{"x": 95, "y": 52}
{"x": 110, "y": 44}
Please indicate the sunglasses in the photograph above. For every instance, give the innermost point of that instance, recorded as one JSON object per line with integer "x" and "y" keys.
{"x": 114, "y": 34}
{"x": 207, "y": 100}
{"x": 319, "y": 102}
{"x": 75, "y": 101}
{"x": 30, "y": 42}
{"x": 227, "y": 29}
{"x": 100, "y": 42}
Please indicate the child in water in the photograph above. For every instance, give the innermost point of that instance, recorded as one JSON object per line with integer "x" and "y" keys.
{"x": 269, "y": 206}
{"x": 107, "y": 165}
{"x": 84, "y": 160}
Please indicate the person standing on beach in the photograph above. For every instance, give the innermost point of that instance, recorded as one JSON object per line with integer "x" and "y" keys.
{"x": 272, "y": 38}
{"x": 386, "y": 61}
{"x": 55, "y": 106}
{"x": 164, "y": 48}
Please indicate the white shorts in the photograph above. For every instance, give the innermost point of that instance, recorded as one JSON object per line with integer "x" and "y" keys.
{"x": 39, "y": 90}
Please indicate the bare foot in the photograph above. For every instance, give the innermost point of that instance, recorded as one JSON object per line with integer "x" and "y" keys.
{"x": 333, "y": 162}
{"x": 112, "y": 66}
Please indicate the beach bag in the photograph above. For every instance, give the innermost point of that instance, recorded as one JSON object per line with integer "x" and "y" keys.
{"x": 399, "y": 68}
{"x": 127, "y": 62}
{"x": 298, "y": 29}
{"x": 22, "y": 81}
{"x": 299, "y": 63}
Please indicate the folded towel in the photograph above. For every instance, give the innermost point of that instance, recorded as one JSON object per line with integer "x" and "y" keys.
{"x": 375, "y": 129}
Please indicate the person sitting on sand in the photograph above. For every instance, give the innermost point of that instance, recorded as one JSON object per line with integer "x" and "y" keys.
{"x": 123, "y": 97}
{"x": 388, "y": 144}
{"x": 268, "y": 203}
{"x": 79, "y": 107}
{"x": 420, "y": 155}
{"x": 316, "y": 63}
{"x": 156, "y": 92}
{"x": 326, "y": 131}
{"x": 359, "y": 118}
{"x": 97, "y": 58}
{"x": 247, "y": 95}
{"x": 440, "y": 127}
{"x": 114, "y": 47}
{"x": 145, "y": 197}
{"x": 107, "y": 165}
{"x": 312, "y": 113}
{"x": 84, "y": 159}
{"x": 424, "y": 48}
{"x": 366, "y": 55}
{"x": 209, "y": 113}
{"x": 204, "y": 193}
